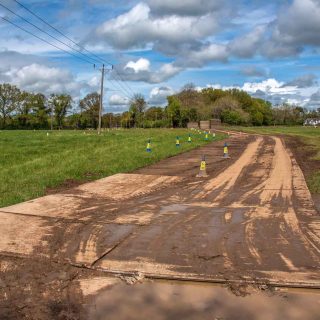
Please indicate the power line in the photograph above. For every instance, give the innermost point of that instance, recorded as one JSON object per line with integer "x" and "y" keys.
{"x": 53, "y": 37}
{"x": 53, "y": 45}
{"x": 44, "y": 40}
{"x": 81, "y": 47}
{"x": 58, "y": 31}
{"x": 121, "y": 86}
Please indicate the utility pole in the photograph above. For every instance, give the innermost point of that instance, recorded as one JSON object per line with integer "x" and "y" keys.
{"x": 51, "y": 116}
{"x": 101, "y": 99}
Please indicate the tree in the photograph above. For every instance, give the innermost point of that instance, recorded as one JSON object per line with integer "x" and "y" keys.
{"x": 173, "y": 111}
{"x": 9, "y": 97}
{"x": 224, "y": 103}
{"x": 23, "y": 110}
{"x": 89, "y": 107}
{"x": 39, "y": 110}
{"x": 154, "y": 113}
{"x": 60, "y": 104}
{"x": 137, "y": 108}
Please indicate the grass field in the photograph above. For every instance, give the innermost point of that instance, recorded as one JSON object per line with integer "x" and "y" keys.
{"x": 31, "y": 161}
{"x": 310, "y": 137}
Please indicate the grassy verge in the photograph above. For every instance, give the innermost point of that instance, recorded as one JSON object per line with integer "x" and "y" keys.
{"x": 31, "y": 161}
{"x": 309, "y": 136}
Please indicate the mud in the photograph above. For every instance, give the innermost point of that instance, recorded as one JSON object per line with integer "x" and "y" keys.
{"x": 172, "y": 300}
{"x": 251, "y": 224}
{"x": 304, "y": 155}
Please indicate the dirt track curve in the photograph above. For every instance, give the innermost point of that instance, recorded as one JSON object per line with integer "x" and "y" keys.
{"x": 252, "y": 220}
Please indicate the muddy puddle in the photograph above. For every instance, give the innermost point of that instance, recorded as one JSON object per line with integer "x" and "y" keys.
{"x": 183, "y": 300}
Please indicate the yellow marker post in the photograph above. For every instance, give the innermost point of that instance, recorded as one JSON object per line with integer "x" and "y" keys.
{"x": 203, "y": 168}
{"x": 226, "y": 151}
{"x": 149, "y": 146}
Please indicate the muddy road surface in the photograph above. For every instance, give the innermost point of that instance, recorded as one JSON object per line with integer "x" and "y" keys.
{"x": 252, "y": 221}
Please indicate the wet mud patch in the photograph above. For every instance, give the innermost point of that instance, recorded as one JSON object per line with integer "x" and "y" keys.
{"x": 39, "y": 289}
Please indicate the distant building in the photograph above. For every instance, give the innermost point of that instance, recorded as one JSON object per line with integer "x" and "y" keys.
{"x": 193, "y": 125}
{"x": 312, "y": 122}
{"x": 205, "y": 125}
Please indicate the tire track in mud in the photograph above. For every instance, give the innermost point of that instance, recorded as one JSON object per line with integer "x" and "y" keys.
{"x": 245, "y": 221}
{"x": 226, "y": 180}
{"x": 275, "y": 203}
{"x": 245, "y": 215}
{"x": 257, "y": 193}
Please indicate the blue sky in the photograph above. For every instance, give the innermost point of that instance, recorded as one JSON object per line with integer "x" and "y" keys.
{"x": 268, "y": 48}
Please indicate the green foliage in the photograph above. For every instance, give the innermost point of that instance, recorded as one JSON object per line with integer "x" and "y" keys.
{"x": 137, "y": 108}
{"x": 89, "y": 108}
{"x": 9, "y": 97}
{"x": 23, "y": 110}
{"x": 233, "y": 117}
{"x": 31, "y": 161}
{"x": 60, "y": 104}
{"x": 173, "y": 111}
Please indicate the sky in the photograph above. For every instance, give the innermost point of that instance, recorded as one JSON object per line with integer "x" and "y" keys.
{"x": 268, "y": 48}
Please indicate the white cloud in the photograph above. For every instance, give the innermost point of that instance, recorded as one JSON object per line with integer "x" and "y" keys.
{"x": 203, "y": 55}
{"x": 247, "y": 45}
{"x": 277, "y": 92}
{"x": 269, "y": 86}
{"x": 186, "y": 7}
{"x": 117, "y": 100}
{"x": 140, "y": 65}
{"x": 300, "y": 23}
{"x": 296, "y": 26}
{"x": 158, "y": 95}
{"x": 314, "y": 101}
{"x": 141, "y": 71}
{"x": 41, "y": 78}
{"x": 137, "y": 28}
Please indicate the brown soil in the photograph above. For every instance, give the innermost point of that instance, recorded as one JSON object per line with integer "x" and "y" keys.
{"x": 304, "y": 154}
{"x": 252, "y": 221}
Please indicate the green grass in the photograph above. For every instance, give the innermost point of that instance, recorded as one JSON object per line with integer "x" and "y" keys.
{"x": 31, "y": 161}
{"x": 310, "y": 137}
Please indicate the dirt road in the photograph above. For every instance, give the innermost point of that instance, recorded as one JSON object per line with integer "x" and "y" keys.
{"x": 252, "y": 220}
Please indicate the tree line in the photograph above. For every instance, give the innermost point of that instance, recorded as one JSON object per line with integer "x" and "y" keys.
{"x": 24, "y": 110}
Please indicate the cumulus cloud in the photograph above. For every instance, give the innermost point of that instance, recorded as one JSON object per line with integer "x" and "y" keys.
{"x": 300, "y": 24}
{"x": 246, "y": 46}
{"x": 314, "y": 101}
{"x": 117, "y": 100}
{"x": 13, "y": 59}
{"x": 141, "y": 71}
{"x": 186, "y": 31}
{"x": 305, "y": 81}
{"x": 41, "y": 78}
{"x": 205, "y": 54}
{"x": 186, "y": 7}
{"x": 296, "y": 26}
{"x": 158, "y": 95}
{"x": 277, "y": 92}
{"x": 36, "y": 74}
{"x": 140, "y": 65}
{"x": 137, "y": 28}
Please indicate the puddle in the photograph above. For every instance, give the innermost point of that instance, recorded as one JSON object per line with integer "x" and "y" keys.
{"x": 173, "y": 208}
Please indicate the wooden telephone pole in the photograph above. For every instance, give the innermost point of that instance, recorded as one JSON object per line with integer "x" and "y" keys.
{"x": 101, "y": 99}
